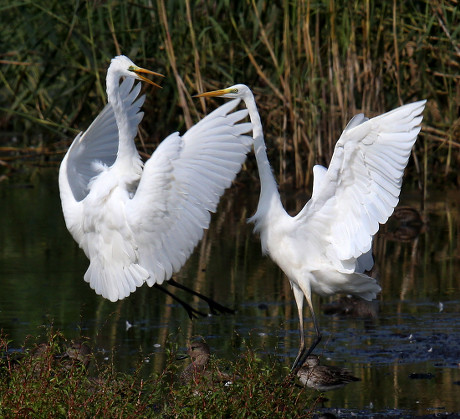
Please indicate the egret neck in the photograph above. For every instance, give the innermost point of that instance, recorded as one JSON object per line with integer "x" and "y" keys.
{"x": 269, "y": 206}
{"x": 127, "y": 156}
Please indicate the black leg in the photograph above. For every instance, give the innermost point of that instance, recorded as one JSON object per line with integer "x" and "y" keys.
{"x": 214, "y": 306}
{"x": 192, "y": 313}
{"x": 303, "y": 354}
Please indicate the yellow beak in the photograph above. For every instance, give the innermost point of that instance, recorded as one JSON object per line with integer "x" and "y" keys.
{"x": 214, "y": 93}
{"x": 138, "y": 70}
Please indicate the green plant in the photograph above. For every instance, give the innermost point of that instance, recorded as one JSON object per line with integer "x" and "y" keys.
{"x": 41, "y": 381}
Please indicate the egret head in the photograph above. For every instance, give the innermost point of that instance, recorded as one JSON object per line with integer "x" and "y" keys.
{"x": 125, "y": 67}
{"x": 232, "y": 92}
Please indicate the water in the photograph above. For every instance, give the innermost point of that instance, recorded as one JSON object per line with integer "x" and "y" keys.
{"x": 405, "y": 347}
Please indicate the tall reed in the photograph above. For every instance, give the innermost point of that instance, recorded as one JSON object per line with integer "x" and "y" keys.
{"x": 312, "y": 65}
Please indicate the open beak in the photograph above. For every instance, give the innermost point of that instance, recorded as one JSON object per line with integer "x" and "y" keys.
{"x": 214, "y": 93}
{"x": 138, "y": 72}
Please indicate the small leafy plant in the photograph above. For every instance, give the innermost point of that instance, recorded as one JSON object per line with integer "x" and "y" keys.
{"x": 54, "y": 379}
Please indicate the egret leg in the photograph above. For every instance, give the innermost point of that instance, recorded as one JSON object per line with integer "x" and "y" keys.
{"x": 298, "y": 295}
{"x": 302, "y": 357}
{"x": 214, "y": 306}
{"x": 192, "y": 313}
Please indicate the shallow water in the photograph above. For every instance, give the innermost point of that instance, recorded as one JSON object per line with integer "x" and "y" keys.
{"x": 405, "y": 346}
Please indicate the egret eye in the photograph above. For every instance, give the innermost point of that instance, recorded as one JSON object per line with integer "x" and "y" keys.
{"x": 234, "y": 90}
{"x": 131, "y": 68}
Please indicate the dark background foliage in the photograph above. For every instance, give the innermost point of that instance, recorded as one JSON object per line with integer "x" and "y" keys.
{"x": 311, "y": 64}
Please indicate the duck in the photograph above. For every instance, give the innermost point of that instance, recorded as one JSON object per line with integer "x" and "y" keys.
{"x": 324, "y": 377}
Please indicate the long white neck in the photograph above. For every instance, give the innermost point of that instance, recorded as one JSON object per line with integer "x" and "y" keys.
{"x": 269, "y": 200}
{"x": 126, "y": 128}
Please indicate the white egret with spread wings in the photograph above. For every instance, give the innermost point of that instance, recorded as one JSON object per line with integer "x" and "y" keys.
{"x": 138, "y": 223}
{"x": 326, "y": 247}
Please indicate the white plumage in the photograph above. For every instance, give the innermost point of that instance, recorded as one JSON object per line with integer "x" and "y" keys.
{"x": 326, "y": 248}
{"x": 139, "y": 223}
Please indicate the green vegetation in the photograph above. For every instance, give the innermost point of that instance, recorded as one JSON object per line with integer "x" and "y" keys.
{"x": 41, "y": 382}
{"x": 312, "y": 65}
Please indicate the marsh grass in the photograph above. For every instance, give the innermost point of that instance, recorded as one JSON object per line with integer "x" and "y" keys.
{"x": 312, "y": 65}
{"x": 36, "y": 383}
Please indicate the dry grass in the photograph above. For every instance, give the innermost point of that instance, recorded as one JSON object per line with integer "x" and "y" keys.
{"x": 311, "y": 64}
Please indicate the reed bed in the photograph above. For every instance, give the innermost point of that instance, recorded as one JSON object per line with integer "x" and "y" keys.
{"x": 311, "y": 64}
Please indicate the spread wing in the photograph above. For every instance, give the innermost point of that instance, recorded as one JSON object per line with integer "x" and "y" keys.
{"x": 362, "y": 184}
{"x": 181, "y": 185}
{"x": 98, "y": 144}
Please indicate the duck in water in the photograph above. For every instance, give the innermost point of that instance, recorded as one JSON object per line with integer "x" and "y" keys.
{"x": 323, "y": 377}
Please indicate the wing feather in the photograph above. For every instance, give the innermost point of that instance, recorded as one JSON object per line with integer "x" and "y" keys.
{"x": 362, "y": 184}
{"x": 89, "y": 153}
{"x": 99, "y": 143}
{"x": 181, "y": 185}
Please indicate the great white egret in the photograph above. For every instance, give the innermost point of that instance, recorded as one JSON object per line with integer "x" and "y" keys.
{"x": 326, "y": 247}
{"x": 139, "y": 223}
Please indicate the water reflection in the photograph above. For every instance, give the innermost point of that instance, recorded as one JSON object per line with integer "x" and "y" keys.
{"x": 403, "y": 333}
{"x": 352, "y": 306}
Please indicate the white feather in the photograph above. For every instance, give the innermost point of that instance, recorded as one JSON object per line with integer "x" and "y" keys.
{"x": 140, "y": 225}
{"x": 326, "y": 248}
